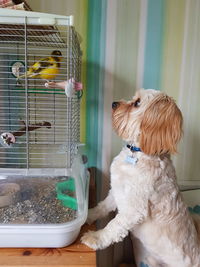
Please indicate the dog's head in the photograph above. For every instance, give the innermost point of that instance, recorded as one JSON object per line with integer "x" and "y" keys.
{"x": 151, "y": 120}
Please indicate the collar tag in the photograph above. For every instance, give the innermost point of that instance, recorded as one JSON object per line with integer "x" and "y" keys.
{"x": 131, "y": 160}
{"x": 134, "y": 148}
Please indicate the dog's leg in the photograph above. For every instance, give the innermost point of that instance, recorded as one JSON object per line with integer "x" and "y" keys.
{"x": 116, "y": 230}
{"x": 102, "y": 209}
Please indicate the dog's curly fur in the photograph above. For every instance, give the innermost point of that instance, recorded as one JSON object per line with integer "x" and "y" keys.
{"x": 145, "y": 194}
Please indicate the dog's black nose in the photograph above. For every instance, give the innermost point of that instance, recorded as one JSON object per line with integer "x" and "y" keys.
{"x": 115, "y": 105}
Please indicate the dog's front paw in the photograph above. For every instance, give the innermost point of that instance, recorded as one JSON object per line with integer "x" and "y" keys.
{"x": 92, "y": 240}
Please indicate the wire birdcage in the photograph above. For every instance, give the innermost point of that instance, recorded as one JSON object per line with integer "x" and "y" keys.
{"x": 44, "y": 121}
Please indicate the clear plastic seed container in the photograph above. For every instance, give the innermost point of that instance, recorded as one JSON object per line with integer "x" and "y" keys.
{"x": 44, "y": 210}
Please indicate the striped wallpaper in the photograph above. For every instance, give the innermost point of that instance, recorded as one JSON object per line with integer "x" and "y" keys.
{"x": 152, "y": 44}
{"x": 129, "y": 44}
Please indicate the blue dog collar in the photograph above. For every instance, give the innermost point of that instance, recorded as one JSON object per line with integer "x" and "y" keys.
{"x": 134, "y": 148}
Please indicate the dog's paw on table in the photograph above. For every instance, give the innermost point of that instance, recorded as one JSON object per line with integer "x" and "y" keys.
{"x": 92, "y": 240}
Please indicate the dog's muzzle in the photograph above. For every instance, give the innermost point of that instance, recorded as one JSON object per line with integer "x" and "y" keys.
{"x": 115, "y": 105}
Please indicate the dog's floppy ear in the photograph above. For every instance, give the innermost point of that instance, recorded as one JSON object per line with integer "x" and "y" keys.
{"x": 161, "y": 126}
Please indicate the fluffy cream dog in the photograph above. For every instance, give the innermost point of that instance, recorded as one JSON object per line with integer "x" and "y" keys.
{"x": 143, "y": 184}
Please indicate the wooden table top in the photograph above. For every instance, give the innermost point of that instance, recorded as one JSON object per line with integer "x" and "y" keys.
{"x": 75, "y": 255}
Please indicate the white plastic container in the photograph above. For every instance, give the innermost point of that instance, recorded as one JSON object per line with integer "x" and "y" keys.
{"x": 47, "y": 234}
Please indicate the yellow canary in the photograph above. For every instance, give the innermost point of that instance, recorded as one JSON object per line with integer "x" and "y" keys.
{"x": 46, "y": 68}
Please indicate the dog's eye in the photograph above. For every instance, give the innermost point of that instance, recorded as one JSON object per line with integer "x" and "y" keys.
{"x": 137, "y": 103}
